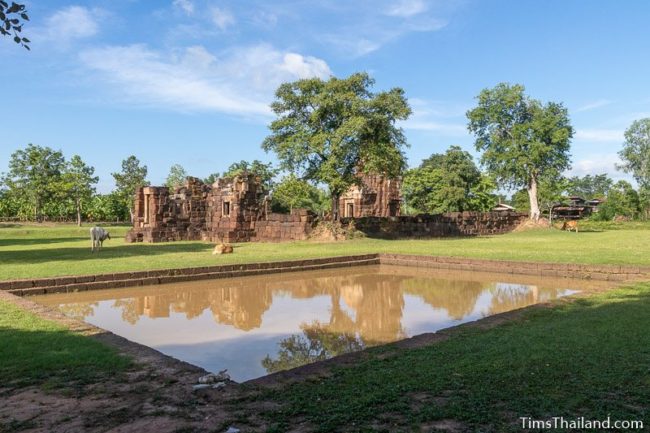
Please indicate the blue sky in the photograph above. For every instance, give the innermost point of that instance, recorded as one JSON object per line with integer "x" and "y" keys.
{"x": 189, "y": 81}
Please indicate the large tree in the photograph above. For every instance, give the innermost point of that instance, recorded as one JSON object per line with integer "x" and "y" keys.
{"x": 35, "y": 176}
{"x": 132, "y": 176}
{"x": 291, "y": 193}
{"x": 589, "y": 187}
{"x": 636, "y": 152}
{"x": 176, "y": 177}
{"x": 622, "y": 201}
{"x": 265, "y": 171}
{"x": 636, "y": 158}
{"x": 523, "y": 141}
{"x": 329, "y": 131}
{"x": 12, "y": 19}
{"x": 448, "y": 182}
{"x": 79, "y": 184}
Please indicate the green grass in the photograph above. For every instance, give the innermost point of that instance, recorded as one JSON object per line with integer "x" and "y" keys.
{"x": 38, "y": 251}
{"x": 589, "y": 358}
{"x": 34, "y": 351}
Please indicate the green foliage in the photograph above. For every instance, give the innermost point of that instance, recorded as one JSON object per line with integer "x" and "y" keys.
{"x": 212, "y": 178}
{"x": 176, "y": 177}
{"x": 292, "y": 193}
{"x": 523, "y": 141}
{"x": 12, "y": 19}
{"x": 107, "y": 207}
{"x": 589, "y": 187}
{"x": 266, "y": 172}
{"x": 132, "y": 176}
{"x": 636, "y": 152}
{"x": 636, "y": 159}
{"x": 622, "y": 201}
{"x": 326, "y": 131}
{"x": 34, "y": 177}
{"x": 550, "y": 191}
{"x": 78, "y": 184}
{"x": 448, "y": 182}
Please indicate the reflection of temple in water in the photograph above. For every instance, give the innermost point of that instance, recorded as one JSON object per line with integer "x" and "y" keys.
{"x": 367, "y": 302}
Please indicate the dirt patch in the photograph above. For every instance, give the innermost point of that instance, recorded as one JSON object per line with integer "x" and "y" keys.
{"x": 443, "y": 425}
{"x": 529, "y": 224}
{"x": 331, "y": 231}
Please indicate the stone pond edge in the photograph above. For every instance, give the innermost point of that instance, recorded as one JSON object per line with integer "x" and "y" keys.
{"x": 41, "y": 286}
{"x": 187, "y": 372}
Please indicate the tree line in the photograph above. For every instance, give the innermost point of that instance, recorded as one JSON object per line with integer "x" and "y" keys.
{"x": 328, "y": 132}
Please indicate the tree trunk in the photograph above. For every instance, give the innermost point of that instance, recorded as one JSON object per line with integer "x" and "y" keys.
{"x": 335, "y": 207}
{"x": 78, "y": 214}
{"x": 532, "y": 196}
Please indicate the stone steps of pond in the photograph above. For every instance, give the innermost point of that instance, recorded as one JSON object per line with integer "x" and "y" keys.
{"x": 166, "y": 279}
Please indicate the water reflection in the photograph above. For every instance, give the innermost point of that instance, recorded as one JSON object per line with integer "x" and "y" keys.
{"x": 316, "y": 343}
{"x": 276, "y": 322}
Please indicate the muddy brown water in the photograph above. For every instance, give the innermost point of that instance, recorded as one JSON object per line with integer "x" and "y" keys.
{"x": 253, "y": 326}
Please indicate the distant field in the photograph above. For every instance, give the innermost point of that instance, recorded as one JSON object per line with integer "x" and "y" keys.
{"x": 40, "y": 251}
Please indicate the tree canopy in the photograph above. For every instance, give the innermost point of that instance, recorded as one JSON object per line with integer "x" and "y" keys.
{"x": 589, "y": 187}
{"x": 292, "y": 193}
{"x": 132, "y": 176}
{"x": 622, "y": 201}
{"x": 265, "y": 171}
{"x": 79, "y": 184}
{"x": 328, "y": 131}
{"x": 636, "y": 152}
{"x": 176, "y": 177}
{"x": 523, "y": 141}
{"x": 12, "y": 19}
{"x": 34, "y": 176}
{"x": 448, "y": 182}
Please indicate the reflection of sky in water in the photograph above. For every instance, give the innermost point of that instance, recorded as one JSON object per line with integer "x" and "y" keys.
{"x": 235, "y": 323}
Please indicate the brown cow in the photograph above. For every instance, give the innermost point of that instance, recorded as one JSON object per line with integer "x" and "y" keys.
{"x": 570, "y": 226}
{"x": 222, "y": 249}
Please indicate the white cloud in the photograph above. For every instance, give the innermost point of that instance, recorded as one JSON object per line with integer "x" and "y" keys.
{"x": 598, "y": 164}
{"x": 221, "y": 18}
{"x": 599, "y": 135}
{"x": 444, "y": 118}
{"x": 240, "y": 82}
{"x": 595, "y": 104}
{"x": 407, "y": 8}
{"x": 185, "y": 5}
{"x": 72, "y": 22}
{"x": 265, "y": 19}
{"x": 355, "y": 46}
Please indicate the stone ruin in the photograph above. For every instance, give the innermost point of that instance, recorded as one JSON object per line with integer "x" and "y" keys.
{"x": 238, "y": 210}
{"x": 230, "y": 210}
{"x": 376, "y": 196}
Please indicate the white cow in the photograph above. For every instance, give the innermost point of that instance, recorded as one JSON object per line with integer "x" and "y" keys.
{"x": 97, "y": 237}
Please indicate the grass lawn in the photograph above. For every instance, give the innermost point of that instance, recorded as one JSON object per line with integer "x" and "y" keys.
{"x": 34, "y": 351}
{"x": 589, "y": 358}
{"x": 42, "y": 251}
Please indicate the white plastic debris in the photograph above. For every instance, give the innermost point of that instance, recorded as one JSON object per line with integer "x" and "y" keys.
{"x": 232, "y": 429}
{"x": 222, "y": 376}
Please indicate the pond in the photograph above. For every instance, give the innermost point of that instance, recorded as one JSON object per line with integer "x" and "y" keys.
{"x": 257, "y": 325}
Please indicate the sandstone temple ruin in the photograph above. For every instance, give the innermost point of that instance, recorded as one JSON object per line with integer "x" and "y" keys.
{"x": 238, "y": 210}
